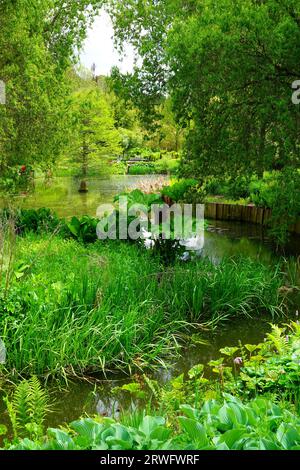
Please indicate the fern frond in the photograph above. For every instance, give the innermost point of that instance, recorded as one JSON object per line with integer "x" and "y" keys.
{"x": 28, "y": 407}
{"x": 12, "y": 416}
{"x": 277, "y": 338}
{"x": 20, "y": 406}
{"x": 37, "y": 402}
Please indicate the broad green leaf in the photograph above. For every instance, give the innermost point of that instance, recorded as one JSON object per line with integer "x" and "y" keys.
{"x": 196, "y": 371}
{"x": 195, "y": 430}
{"x": 229, "y": 351}
{"x": 150, "y": 423}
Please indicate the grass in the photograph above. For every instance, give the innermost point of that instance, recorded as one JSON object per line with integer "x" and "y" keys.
{"x": 75, "y": 310}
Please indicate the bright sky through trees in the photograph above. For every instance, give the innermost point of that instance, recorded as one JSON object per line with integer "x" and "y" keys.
{"x": 99, "y": 49}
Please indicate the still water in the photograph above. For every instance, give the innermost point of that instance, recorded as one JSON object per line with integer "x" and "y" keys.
{"x": 61, "y": 194}
{"x": 221, "y": 239}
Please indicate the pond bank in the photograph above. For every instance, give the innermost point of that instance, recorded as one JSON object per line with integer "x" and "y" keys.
{"x": 239, "y": 213}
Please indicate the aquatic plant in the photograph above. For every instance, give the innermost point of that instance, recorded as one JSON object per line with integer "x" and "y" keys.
{"x": 80, "y": 309}
{"x": 177, "y": 191}
{"x": 200, "y": 411}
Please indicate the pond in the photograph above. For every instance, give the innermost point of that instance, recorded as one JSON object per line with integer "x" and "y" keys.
{"x": 61, "y": 194}
{"x": 221, "y": 239}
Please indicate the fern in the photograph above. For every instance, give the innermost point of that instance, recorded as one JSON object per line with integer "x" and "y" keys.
{"x": 277, "y": 338}
{"x": 12, "y": 416}
{"x": 20, "y": 405}
{"x": 37, "y": 402}
{"x": 27, "y": 408}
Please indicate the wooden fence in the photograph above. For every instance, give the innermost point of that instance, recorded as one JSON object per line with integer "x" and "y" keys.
{"x": 235, "y": 212}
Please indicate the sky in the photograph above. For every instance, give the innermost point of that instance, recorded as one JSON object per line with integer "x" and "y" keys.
{"x": 99, "y": 49}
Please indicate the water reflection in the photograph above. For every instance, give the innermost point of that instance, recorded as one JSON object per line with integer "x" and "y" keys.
{"x": 62, "y": 196}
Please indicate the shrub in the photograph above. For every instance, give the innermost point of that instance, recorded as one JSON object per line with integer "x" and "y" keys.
{"x": 142, "y": 169}
{"x": 177, "y": 191}
{"x": 237, "y": 188}
{"x": 31, "y": 220}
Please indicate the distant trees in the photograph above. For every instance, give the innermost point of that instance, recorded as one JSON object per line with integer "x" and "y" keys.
{"x": 145, "y": 119}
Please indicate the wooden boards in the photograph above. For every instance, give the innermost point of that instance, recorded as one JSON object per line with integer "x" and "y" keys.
{"x": 238, "y": 213}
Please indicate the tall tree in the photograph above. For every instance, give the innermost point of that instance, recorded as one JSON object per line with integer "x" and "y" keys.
{"x": 95, "y": 137}
{"x": 229, "y": 66}
{"x": 37, "y": 46}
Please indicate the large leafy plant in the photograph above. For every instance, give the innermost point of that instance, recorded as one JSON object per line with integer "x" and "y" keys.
{"x": 225, "y": 424}
{"x": 177, "y": 191}
{"x": 270, "y": 367}
{"x": 141, "y": 198}
{"x": 232, "y": 425}
{"x": 84, "y": 229}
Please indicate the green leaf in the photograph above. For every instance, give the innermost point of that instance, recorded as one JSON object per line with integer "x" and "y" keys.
{"x": 196, "y": 371}
{"x": 3, "y": 430}
{"x": 189, "y": 411}
{"x": 252, "y": 347}
{"x": 149, "y": 424}
{"x": 288, "y": 436}
{"x": 229, "y": 351}
{"x": 233, "y": 438}
{"x": 62, "y": 440}
{"x": 88, "y": 428}
{"x": 195, "y": 431}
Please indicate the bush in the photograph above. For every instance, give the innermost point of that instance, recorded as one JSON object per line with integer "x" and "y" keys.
{"x": 263, "y": 191}
{"x": 177, "y": 191}
{"x": 286, "y": 204}
{"x": 237, "y": 188}
{"x": 31, "y": 220}
{"x": 142, "y": 169}
{"x": 280, "y": 192}
{"x": 213, "y": 186}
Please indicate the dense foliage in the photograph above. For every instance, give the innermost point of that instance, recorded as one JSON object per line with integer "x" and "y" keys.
{"x": 229, "y": 69}
{"x": 113, "y": 303}
{"x": 218, "y": 425}
{"x": 37, "y": 43}
{"x": 241, "y": 409}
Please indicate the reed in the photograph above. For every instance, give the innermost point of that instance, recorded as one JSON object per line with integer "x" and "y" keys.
{"x": 79, "y": 310}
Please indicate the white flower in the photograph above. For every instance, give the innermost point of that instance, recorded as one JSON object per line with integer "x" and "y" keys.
{"x": 146, "y": 234}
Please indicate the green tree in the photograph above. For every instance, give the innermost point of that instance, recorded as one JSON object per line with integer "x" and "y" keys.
{"x": 95, "y": 137}
{"x": 228, "y": 66}
{"x": 37, "y": 44}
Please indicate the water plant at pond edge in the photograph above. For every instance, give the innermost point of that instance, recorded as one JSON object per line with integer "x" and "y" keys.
{"x": 271, "y": 368}
{"x": 225, "y": 411}
{"x": 27, "y": 409}
{"x": 80, "y": 309}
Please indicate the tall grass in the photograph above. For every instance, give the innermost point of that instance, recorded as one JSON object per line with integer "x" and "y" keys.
{"x": 112, "y": 305}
